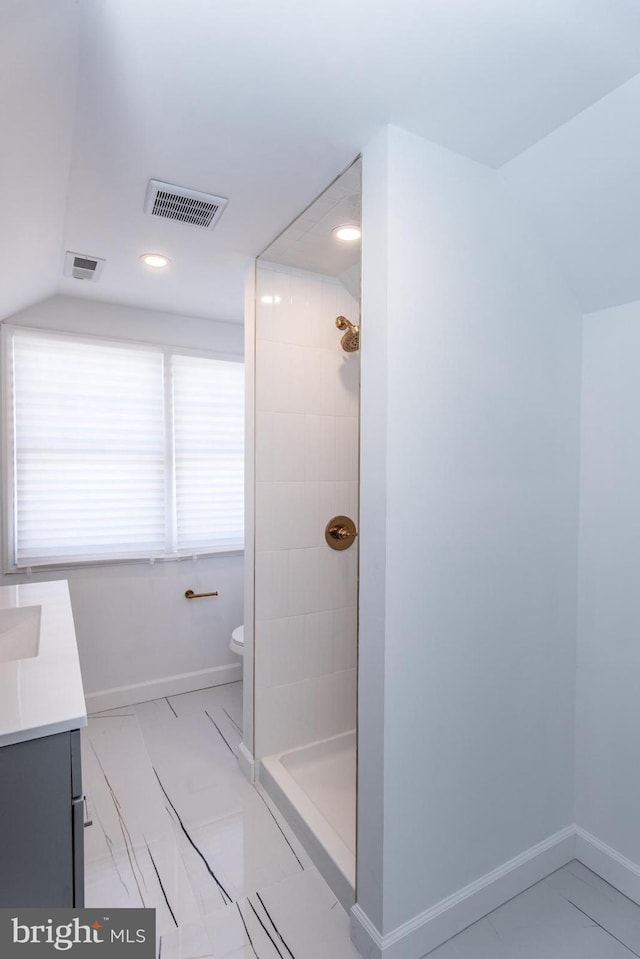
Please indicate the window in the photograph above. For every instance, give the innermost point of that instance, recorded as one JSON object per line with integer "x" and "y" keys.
{"x": 119, "y": 451}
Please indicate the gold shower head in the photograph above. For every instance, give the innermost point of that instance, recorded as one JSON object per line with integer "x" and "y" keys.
{"x": 350, "y": 342}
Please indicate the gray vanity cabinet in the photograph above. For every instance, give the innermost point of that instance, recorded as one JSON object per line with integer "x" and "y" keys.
{"x": 41, "y": 823}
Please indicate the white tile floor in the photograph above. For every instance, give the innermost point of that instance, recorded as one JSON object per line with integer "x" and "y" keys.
{"x": 176, "y": 826}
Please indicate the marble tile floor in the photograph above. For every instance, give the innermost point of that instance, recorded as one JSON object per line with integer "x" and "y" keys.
{"x": 176, "y": 826}
{"x": 572, "y": 914}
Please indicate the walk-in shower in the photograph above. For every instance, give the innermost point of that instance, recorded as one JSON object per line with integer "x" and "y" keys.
{"x": 306, "y": 524}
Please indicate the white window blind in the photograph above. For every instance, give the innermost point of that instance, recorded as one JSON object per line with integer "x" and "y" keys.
{"x": 104, "y": 466}
{"x": 208, "y": 403}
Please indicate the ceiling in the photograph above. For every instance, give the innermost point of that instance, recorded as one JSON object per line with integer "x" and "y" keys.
{"x": 264, "y": 103}
{"x": 308, "y": 243}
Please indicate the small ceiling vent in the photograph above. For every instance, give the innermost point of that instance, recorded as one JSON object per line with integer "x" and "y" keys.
{"x": 182, "y": 205}
{"x": 83, "y": 267}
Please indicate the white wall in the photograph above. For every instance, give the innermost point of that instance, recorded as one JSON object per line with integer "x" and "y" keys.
{"x": 306, "y": 471}
{"x": 133, "y": 623}
{"x": 608, "y": 709}
{"x": 470, "y": 444}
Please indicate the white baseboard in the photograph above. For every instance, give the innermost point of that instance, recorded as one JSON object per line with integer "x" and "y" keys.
{"x": 248, "y": 765}
{"x": 434, "y": 926}
{"x": 167, "y": 686}
{"x": 608, "y": 863}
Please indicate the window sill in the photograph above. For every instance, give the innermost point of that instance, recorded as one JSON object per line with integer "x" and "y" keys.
{"x": 136, "y": 561}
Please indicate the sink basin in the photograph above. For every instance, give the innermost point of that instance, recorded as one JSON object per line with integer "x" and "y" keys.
{"x": 19, "y": 633}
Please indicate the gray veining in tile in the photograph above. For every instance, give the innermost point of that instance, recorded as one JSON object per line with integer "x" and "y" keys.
{"x": 177, "y": 827}
{"x": 573, "y": 914}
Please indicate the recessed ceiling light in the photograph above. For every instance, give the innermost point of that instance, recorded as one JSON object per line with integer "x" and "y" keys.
{"x": 269, "y": 298}
{"x": 348, "y": 233}
{"x": 155, "y": 260}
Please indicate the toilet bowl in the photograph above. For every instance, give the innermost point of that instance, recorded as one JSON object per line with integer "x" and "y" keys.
{"x": 237, "y": 640}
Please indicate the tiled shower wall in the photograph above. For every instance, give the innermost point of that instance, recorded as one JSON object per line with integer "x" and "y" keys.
{"x": 307, "y": 407}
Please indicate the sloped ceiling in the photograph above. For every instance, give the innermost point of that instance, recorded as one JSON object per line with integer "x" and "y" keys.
{"x": 38, "y": 58}
{"x": 581, "y": 186}
{"x": 265, "y": 103}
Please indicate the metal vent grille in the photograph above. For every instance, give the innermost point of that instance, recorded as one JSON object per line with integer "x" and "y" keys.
{"x": 83, "y": 267}
{"x": 184, "y": 206}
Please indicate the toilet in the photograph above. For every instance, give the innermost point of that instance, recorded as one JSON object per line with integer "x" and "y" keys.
{"x": 237, "y": 640}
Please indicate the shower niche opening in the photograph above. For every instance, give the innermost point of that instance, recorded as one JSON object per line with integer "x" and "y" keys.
{"x": 307, "y": 417}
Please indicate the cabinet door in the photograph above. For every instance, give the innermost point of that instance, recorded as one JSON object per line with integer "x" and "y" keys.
{"x": 36, "y": 828}
{"x": 78, "y": 853}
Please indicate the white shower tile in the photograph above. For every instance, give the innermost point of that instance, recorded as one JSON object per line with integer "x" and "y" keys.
{"x": 289, "y": 715}
{"x": 347, "y": 384}
{"x": 281, "y": 312}
{"x": 329, "y": 360}
{"x": 315, "y": 320}
{"x": 345, "y": 692}
{"x": 271, "y": 584}
{"x": 354, "y": 498}
{"x": 288, "y": 447}
{"x": 280, "y": 377}
{"x": 264, "y": 311}
{"x": 306, "y": 711}
{"x": 346, "y": 305}
{"x": 327, "y": 448}
{"x": 265, "y": 375}
{"x": 342, "y": 573}
{"x": 319, "y": 642}
{"x": 298, "y": 574}
{"x": 312, "y": 452}
{"x": 290, "y": 378}
{"x": 313, "y": 382}
{"x": 317, "y": 581}
{"x": 264, "y": 446}
{"x": 273, "y": 706}
{"x": 325, "y": 500}
{"x": 329, "y": 310}
{"x": 314, "y": 517}
{"x": 280, "y": 652}
{"x": 266, "y": 522}
{"x": 346, "y": 448}
{"x": 352, "y": 699}
{"x": 346, "y": 498}
{"x": 328, "y": 723}
{"x": 280, "y": 513}
{"x": 345, "y": 638}
{"x": 299, "y": 327}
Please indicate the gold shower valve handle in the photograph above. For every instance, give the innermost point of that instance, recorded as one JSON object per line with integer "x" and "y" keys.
{"x": 340, "y": 532}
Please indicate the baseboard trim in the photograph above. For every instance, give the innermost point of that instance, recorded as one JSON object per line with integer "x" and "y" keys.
{"x": 608, "y": 863}
{"x": 450, "y": 916}
{"x": 248, "y": 765}
{"x": 167, "y": 686}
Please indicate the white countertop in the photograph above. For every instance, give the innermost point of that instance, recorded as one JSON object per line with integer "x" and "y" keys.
{"x": 42, "y": 695}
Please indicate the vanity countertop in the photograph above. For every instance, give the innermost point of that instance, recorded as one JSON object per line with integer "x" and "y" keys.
{"x": 42, "y": 694}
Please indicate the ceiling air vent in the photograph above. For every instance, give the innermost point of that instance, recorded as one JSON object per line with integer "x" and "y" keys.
{"x": 185, "y": 206}
{"x": 83, "y": 267}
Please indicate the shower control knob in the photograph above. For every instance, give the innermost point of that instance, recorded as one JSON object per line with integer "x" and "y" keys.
{"x": 340, "y": 532}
